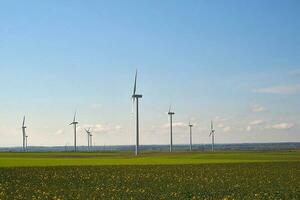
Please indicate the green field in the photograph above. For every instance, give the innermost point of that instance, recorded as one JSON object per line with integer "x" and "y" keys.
{"x": 127, "y": 158}
{"x": 197, "y": 175}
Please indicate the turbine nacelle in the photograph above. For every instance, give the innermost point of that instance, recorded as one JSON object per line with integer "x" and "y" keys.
{"x": 137, "y": 96}
{"x": 171, "y": 113}
{"x": 74, "y": 123}
{"x": 190, "y": 125}
{"x": 88, "y": 131}
{"x": 212, "y": 130}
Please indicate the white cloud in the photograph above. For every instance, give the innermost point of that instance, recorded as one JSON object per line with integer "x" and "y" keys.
{"x": 176, "y": 124}
{"x": 291, "y": 89}
{"x": 282, "y": 126}
{"x": 219, "y": 119}
{"x": 221, "y": 125}
{"x": 258, "y": 108}
{"x": 59, "y": 132}
{"x": 104, "y": 128}
{"x": 227, "y": 129}
{"x": 249, "y": 128}
{"x": 256, "y": 122}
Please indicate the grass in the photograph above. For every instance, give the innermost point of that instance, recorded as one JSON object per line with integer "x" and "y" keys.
{"x": 126, "y": 158}
{"x": 115, "y": 175}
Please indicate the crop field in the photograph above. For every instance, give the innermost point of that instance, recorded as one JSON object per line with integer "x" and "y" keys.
{"x": 221, "y": 175}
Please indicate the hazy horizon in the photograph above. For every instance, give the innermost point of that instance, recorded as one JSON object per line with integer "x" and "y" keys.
{"x": 232, "y": 62}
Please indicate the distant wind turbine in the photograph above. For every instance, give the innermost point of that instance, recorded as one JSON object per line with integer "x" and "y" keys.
{"x": 212, "y": 134}
{"x": 88, "y": 132}
{"x": 170, "y": 113}
{"x": 24, "y": 134}
{"x": 74, "y": 123}
{"x": 91, "y": 140}
{"x": 191, "y": 136}
{"x": 136, "y": 97}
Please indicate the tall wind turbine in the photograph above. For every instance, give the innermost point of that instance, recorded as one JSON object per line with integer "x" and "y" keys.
{"x": 88, "y": 132}
{"x": 171, "y": 128}
{"x": 212, "y": 134}
{"x": 74, "y": 123}
{"x": 24, "y": 134}
{"x": 135, "y": 99}
{"x": 191, "y": 136}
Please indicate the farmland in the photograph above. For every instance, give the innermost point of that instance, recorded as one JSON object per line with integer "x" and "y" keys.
{"x": 222, "y": 175}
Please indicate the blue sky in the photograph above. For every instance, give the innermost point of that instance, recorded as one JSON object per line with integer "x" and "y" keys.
{"x": 236, "y": 62}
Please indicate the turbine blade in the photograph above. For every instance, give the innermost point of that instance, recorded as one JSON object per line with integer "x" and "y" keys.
{"x": 170, "y": 107}
{"x": 74, "y": 116}
{"x": 135, "y": 79}
{"x": 23, "y": 121}
{"x": 132, "y": 107}
{"x": 212, "y": 125}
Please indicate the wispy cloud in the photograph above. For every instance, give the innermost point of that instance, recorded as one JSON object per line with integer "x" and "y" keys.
{"x": 290, "y": 89}
{"x": 59, "y": 132}
{"x": 226, "y": 129}
{"x": 258, "y": 108}
{"x": 249, "y": 128}
{"x": 282, "y": 126}
{"x": 104, "y": 128}
{"x": 176, "y": 124}
{"x": 256, "y": 122}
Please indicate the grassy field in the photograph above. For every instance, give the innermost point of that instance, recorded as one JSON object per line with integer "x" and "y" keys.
{"x": 127, "y": 158}
{"x": 221, "y": 175}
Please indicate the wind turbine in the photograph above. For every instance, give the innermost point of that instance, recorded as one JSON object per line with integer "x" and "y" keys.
{"x": 212, "y": 134}
{"x": 191, "y": 137}
{"x": 88, "y": 132}
{"x": 136, "y": 97}
{"x": 24, "y": 133}
{"x": 171, "y": 128}
{"x": 74, "y": 123}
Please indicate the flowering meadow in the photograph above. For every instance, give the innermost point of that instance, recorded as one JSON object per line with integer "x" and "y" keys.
{"x": 272, "y": 180}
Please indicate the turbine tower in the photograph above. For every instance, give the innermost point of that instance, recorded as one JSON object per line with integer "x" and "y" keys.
{"x": 135, "y": 99}
{"x": 24, "y": 134}
{"x": 91, "y": 140}
{"x": 212, "y": 134}
{"x": 170, "y": 113}
{"x": 74, "y": 123}
{"x": 191, "y": 136}
{"x": 88, "y": 132}
{"x": 26, "y": 139}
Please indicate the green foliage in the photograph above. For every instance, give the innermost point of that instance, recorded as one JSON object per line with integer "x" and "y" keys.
{"x": 207, "y": 181}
